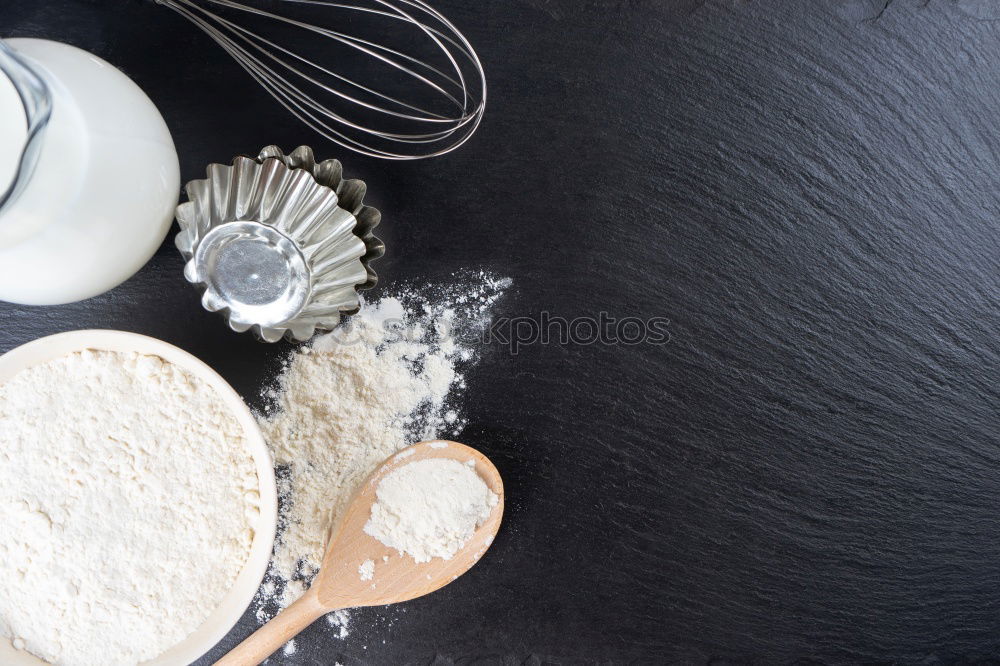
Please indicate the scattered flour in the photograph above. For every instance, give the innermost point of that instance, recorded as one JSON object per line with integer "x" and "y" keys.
{"x": 127, "y": 507}
{"x": 366, "y": 570}
{"x": 376, "y": 384}
{"x": 339, "y": 620}
{"x": 293, "y": 589}
{"x": 430, "y": 508}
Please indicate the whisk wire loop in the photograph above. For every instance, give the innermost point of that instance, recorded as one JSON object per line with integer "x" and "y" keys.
{"x": 341, "y": 108}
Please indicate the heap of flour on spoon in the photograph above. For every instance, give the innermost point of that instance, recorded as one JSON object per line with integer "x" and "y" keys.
{"x": 382, "y": 381}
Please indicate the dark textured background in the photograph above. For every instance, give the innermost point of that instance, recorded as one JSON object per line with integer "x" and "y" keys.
{"x": 808, "y": 190}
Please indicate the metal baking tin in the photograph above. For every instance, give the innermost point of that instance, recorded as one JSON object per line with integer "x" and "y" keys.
{"x": 280, "y": 244}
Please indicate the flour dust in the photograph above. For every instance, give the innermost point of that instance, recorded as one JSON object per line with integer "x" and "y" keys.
{"x": 386, "y": 378}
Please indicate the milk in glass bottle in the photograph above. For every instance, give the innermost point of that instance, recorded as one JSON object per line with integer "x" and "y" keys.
{"x": 88, "y": 174}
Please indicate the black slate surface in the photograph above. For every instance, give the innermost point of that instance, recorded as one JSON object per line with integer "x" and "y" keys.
{"x": 808, "y": 471}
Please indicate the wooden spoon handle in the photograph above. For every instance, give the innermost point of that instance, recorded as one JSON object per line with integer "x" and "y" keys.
{"x": 282, "y": 628}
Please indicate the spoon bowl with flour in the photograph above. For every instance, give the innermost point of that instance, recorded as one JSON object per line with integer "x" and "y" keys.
{"x": 418, "y": 522}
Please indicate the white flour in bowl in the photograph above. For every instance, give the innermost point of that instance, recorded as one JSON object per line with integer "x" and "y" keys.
{"x": 127, "y": 499}
{"x": 354, "y": 397}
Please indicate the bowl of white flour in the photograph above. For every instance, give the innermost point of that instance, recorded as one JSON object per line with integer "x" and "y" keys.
{"x": 137, "y": 503}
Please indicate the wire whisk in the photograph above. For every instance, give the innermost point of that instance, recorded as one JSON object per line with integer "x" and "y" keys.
{"x": 389, "y": 79}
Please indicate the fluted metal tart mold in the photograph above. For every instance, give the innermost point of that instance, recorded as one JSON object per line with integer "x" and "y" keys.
{"x": 280, "y": 244}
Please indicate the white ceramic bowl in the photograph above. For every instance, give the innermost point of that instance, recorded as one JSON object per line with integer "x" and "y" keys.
{"x": 235, "y": 603}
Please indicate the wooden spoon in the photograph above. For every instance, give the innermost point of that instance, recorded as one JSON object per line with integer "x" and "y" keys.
{"x": 339, "y": 583}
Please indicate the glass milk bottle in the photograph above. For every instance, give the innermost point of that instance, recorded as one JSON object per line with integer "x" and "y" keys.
{"x": 88, "y": 174}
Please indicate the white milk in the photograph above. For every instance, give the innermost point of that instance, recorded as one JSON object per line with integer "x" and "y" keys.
{"x": 13, "y": 132}
{"x": 101, "y": 197}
